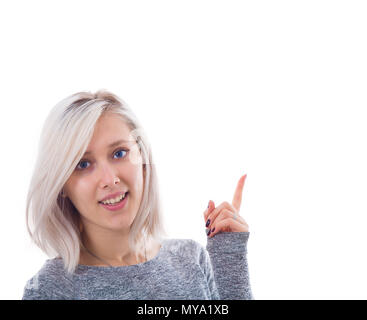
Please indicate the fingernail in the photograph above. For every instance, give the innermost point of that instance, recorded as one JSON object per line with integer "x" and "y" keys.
{"x": 209, "y": 232}
{"x": 212, "y": 230}
{"x": 207, "y": 223}
{"x": 209, "y": 204}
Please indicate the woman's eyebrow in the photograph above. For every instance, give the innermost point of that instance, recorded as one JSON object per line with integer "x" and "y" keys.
{"x": 111, "y": 145}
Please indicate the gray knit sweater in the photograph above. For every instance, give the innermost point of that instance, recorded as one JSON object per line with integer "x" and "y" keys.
{"x": 182, "y": 270}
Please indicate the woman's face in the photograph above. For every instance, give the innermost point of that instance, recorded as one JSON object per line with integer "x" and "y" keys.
{"x": 106, "y": 170}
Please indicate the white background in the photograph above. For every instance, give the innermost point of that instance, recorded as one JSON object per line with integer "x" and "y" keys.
{"x": 274, "y": 89}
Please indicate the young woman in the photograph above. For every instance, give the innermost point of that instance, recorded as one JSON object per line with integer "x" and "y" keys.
{"x": 94, "y": 205}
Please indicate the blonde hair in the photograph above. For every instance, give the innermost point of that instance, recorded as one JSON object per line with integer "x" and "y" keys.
{"x": 52, "y": 220}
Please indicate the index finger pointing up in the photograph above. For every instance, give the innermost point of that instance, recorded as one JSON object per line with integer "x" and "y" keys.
{"x": 237, "y": 198}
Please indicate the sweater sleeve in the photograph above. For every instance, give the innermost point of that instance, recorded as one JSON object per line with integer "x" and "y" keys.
{"x": 34, "y": 294}
{"x": 48, "y": 284}
{"x": 209, "y": 274}
{"x": 52, "y": 292}
{"x": 228, "y": 255}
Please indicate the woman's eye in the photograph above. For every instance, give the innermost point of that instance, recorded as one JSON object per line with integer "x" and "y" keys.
{"x": 122, "y": 150}
{"x": 80, "y": 166}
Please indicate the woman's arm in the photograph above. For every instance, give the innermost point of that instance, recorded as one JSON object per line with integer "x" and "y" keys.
{"x": 228, "y": 234}
{"x": 228, "y": 256}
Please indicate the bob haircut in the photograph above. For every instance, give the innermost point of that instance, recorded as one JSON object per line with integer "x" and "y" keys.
{"x": 52, "y": 220}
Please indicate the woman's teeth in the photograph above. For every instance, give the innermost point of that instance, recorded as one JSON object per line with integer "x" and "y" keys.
{"x": 116, "y": 200}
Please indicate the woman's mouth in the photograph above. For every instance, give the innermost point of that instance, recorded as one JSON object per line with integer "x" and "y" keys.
{"x": 117, "y": 205}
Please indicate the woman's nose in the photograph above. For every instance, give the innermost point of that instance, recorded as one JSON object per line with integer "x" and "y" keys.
{"x": 107, "y": 175}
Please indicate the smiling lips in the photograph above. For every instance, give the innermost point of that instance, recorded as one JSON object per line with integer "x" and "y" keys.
{"x": 114, "y": 200}
{"x": 116, "y": 206}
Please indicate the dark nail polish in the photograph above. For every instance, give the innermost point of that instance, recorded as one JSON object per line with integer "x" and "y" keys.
{"x": 209, "y": 232}
{"x": 212, "y": 230}
{"x": 207, "y": 223}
